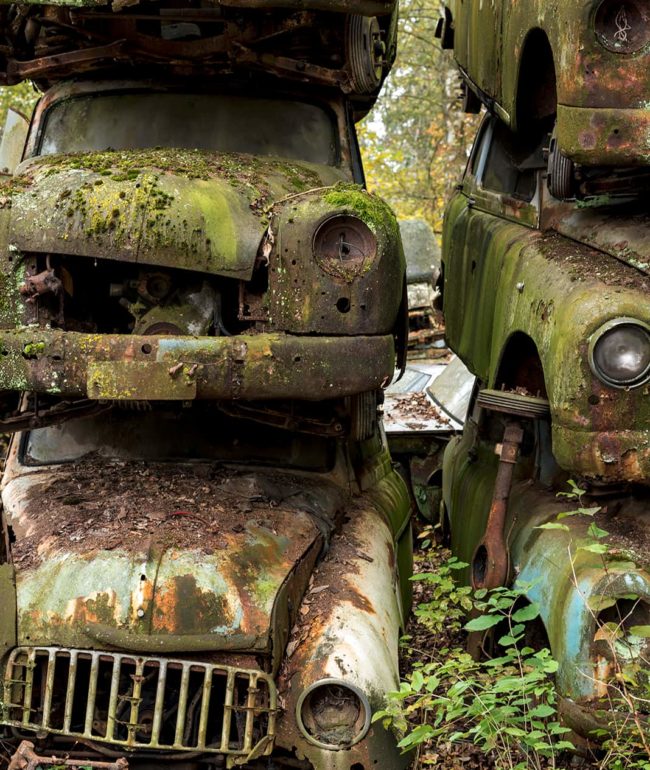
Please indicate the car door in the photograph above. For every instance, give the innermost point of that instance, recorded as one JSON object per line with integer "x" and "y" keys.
{"x": 477, "y": 41}
{"x": 495, "y": 207}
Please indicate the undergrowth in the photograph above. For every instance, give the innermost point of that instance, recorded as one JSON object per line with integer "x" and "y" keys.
{"x": 500, "y": 711}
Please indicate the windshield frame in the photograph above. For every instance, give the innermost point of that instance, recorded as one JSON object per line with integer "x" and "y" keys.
{"x": 346, "y": 151}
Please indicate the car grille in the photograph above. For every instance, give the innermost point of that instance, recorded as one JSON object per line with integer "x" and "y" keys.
{"x": 140, "y": 702}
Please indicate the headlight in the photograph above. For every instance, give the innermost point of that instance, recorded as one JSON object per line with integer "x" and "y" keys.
{"x": 619, "y": 353}
{"x": 344, "y": 246}
{"x": 622, "y": 25}
{"x": 333, "y": 714}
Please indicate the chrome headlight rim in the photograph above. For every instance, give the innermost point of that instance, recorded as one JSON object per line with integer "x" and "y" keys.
{"x": 634, "y": 382}
{"x": 363, "y": 698}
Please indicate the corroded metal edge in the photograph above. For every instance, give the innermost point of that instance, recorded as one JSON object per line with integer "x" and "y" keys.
{"x": 131, "y": 367}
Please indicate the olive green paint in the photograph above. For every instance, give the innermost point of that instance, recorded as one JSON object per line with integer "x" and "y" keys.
{"x": 7, "y": 609}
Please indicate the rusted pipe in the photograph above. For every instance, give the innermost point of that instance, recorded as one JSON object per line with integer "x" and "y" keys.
{"x": 490, "y": 563}
{"x": 26, "y": 759}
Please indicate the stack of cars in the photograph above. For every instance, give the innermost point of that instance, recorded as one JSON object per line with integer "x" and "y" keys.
{"x": 205, "y": 548}
{"x": 546, "y": 278}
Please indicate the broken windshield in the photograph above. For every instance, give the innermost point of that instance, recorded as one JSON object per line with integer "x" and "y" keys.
{"x": 122, "y": 121}
{"x": 173, "y": 433}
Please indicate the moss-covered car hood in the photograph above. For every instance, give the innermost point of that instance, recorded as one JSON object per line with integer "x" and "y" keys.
{"x": 164, "y": 557}
{"x": 621, "y": 233}
{"x": 189, "y": 209}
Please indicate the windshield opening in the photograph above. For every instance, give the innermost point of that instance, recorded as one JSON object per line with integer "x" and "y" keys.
{"x": 219, "y": 122}
{"x": 172, "y": 433}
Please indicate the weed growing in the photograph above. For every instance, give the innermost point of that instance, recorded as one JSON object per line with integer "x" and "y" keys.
{"x": 500, "y": 709}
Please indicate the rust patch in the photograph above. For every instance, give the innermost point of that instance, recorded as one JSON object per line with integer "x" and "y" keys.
{"x": 181, "y": 606}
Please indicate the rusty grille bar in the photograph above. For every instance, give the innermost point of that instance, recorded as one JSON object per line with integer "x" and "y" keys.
{"x": 139, "y": 701}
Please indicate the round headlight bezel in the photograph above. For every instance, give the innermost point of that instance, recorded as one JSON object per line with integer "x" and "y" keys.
{"x": 356, "y": 256}
{"x": 627, "y": 35}
{"x": 304, "y": 700}
{"x": 635, "y": 382}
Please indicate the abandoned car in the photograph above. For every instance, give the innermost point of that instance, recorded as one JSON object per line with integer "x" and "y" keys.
{"x": 243, "y": 269}
{"x": 180, "y": 585}
{"x": 546, "y": 302}
{"x": 422, "y": 254}
{"x": 206, "y": 549}
{"x": 587, "y": 62}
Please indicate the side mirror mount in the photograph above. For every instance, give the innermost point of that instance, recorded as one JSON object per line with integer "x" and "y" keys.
{"x": 12, "y": 145}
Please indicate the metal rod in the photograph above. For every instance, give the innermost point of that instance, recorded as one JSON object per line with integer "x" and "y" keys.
{"x": 160, "y": 704}
{"x": 227, "y": 711}
{"x": 49, "y": 686}
{"x": 92, "y": 694}
{"x": 205, "y": 706}
{"x": 69, "y": 692}
{"x": 182, "y": 706}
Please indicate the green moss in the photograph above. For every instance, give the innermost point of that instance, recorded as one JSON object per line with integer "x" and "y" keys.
{"x": 9, "y": 187}
{"x": 34, "y": 349}
{"x": 371, "y": 209}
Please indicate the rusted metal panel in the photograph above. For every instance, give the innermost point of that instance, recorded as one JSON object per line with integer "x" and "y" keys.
{"x": 596, "y": 74}
{"x": 251, "y": 367}
{"x": 120, "y": 380}
{"x": 351, "y": 292}
{"x": 206, "y": 578}
{"x": 349, "y": 633}
{"x": 607, "y": 136}
{"x": 623, "y": 235}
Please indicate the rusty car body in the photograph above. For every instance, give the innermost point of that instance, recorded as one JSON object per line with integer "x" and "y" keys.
{"x": 546, "y": 302}
{"x": 330, "y": 44}
{"x": 215, "y": 272}
{"x": 585, "y": 61}
{"x": 179, "y": 585}
{"x": 205, "y": 548}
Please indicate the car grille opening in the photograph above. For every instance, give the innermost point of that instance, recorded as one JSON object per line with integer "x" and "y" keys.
{"x": 140, "y": 701}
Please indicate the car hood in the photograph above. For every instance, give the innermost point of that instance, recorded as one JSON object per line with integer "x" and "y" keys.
{"x": 167, "y": 558}
{"x": 189, "y": 209}
{"x": 623, "y": 235}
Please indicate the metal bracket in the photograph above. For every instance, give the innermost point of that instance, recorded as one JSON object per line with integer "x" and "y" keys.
{"x": 26, "y": 758}
{"x": 491, "y": 560}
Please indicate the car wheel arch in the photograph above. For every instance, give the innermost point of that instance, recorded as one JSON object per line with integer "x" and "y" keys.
{"x": 535, "y": 82}
{"x": 520, "y": 365}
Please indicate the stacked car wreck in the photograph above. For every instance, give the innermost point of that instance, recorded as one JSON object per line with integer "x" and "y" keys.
{"x": 205, "y": 547}
{"x": 546, "y": 277}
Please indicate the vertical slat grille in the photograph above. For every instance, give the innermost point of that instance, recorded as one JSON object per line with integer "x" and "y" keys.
{"x": 139, "y": 701}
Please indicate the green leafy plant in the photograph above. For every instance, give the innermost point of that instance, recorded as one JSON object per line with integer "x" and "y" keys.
{"x": 506, "y": 705}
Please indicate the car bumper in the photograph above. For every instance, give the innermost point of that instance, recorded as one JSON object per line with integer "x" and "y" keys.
{"x": 125, "y": 367}
{"x": 604, "y": 137}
